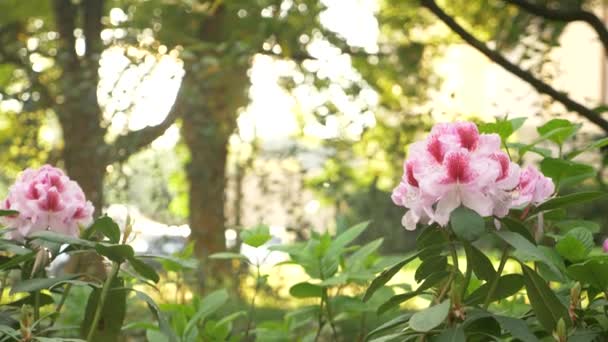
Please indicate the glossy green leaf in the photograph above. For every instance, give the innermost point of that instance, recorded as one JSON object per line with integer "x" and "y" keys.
{"x": 467, "y": 224}
{"x": 116, "y": 253}
{"x": 106, "y": 226}
{"x": 571, "y": 199}
{"x": 306, "y": 290}
{"x": 517, "y": 328}
{"x": 429, "y": 266}
{"x": 210, "y": 304}
{"x": 256, "y": 236}
{"x": 508, "y": 285}
{"x": 8, "y": 212}
{"x": 504, "y": 128}
{"x": 385, "y": 276}
{"x": 112, "y": 314}
{"x": 567, "y": 225}
{"x": 346, "y": 237}
{"x": 47, "y": 235}
{"x": 144, "y": 269}
{"x": 558, "y": 130}
{"x": 525, "y": 249}
{"x": 480, "y": 263}
{"x": 566, "y": 172}
{"x": 454, "y": 334}
{"x": 518, "y": 227}
{"x": 16, "y": 261}
{"x": 393, "y": 323}
{"x": 547, "y": 307}
{"x": 596, "y": 144}
{"x": 163, "y": 323}
{"x": 431, "y": 317}
{"x": 593, "y": 271}
{"x": 395, "y": 301}
{"x": 575, "y": 245}
{"x": 30, "y": 285}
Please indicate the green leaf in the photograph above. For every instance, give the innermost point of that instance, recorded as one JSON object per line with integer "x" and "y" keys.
{"x": 228, "y": 255}
{"x": 348, "y": 236}
{"x": 144, "y": 269}
{"x": 306, "y": 290}
{"x": 481, "y": 265}
{"x": 385, "y": 276}
{"x": 597, "y": 144}
{"x": 395, "y": 301}
{"x": 563, "y": 201}
{"x": 566, "y": 172}
{"x": 525, "y": 249}
{"x": 508, "y": 285}
{"x": 454, "y": 334}
{"x": 467, "y": 224}
{"x": 593, "y": 271}
{"x": 430, "y": 318}
{"x": 518, "y": 328}
{"x": 16, "y": 260}
{"x": 504, "y": 128}
{"x": 106, "y": 226}
{"x": 176, "y": 263}
{"x": 431, "y": 242}
{"x": 163, "y": 324}
{"x": 567, "y": 225}
{"x": 393, "y": 323}
{"x": 558, "y": 130}
{"x": 575, "y": 245}
{"x": 357, "y": 259}
{"x": 116, "y": 253}
{"x": 112, "y": 314}
{"x": 8, "y": 212}
{"x": 429, "y": 266}
{"x": 257, "y": 236}
{"x": 43, "y": 299}
{"x": 30, "y": 285}
{"x": 210, "y": 304}
{"x": 518, "y": 227}
{"x": 546, "y": 305}
{"x": 47, "y": 235}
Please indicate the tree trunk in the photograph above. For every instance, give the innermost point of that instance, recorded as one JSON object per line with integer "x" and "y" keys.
{"x": 209, "y": 118}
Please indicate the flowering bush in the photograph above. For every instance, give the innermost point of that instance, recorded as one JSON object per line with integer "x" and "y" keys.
{"x": 456, "y": 165}
{"x": 46, "y": 215}
{"x": 46, "y": 199}
{"x": 463, "y": 186}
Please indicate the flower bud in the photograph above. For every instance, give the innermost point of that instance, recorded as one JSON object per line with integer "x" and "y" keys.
{"x": 26, "y": 322}
{"x": 561, "y": 331}
{"x": 605, "y": 246}
{"x": 41, "y": 261}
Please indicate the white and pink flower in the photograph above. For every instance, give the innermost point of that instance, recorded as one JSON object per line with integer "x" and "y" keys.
{"x": 456, "y": 165}
{"x": 46, "y": 199}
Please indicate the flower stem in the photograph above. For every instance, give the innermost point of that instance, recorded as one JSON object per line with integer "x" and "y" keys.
{"x": 64, "y": 296}
{"x": 468, "y": 272}
{"x": 102, "y": 299}
{"x": 252, "y": 304}
{"x": 494, "y": 284}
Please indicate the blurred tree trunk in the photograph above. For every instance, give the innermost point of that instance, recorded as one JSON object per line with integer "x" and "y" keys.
{"x": 207, "y": 126}
{"x": 214, "y": 88}
{"x": 86, "y": 154}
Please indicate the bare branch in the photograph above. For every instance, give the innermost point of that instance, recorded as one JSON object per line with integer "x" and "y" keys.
{"x": 128, "y": 144}
{"x": 566, "y": 16}
{"x": 497, "y": 58}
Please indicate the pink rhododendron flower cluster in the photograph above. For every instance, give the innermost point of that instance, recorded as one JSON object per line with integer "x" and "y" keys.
{"x": 456, "y": 165}
{"x": 46, "y": 199}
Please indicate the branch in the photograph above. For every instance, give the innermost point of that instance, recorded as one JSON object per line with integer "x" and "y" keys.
{"x": 93, "y": 11}
{"x": 65, "y": 20}
{"x": 565, "y": 16}
{"x": 128, "y": 144}
{"x": 497, "y": 58}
